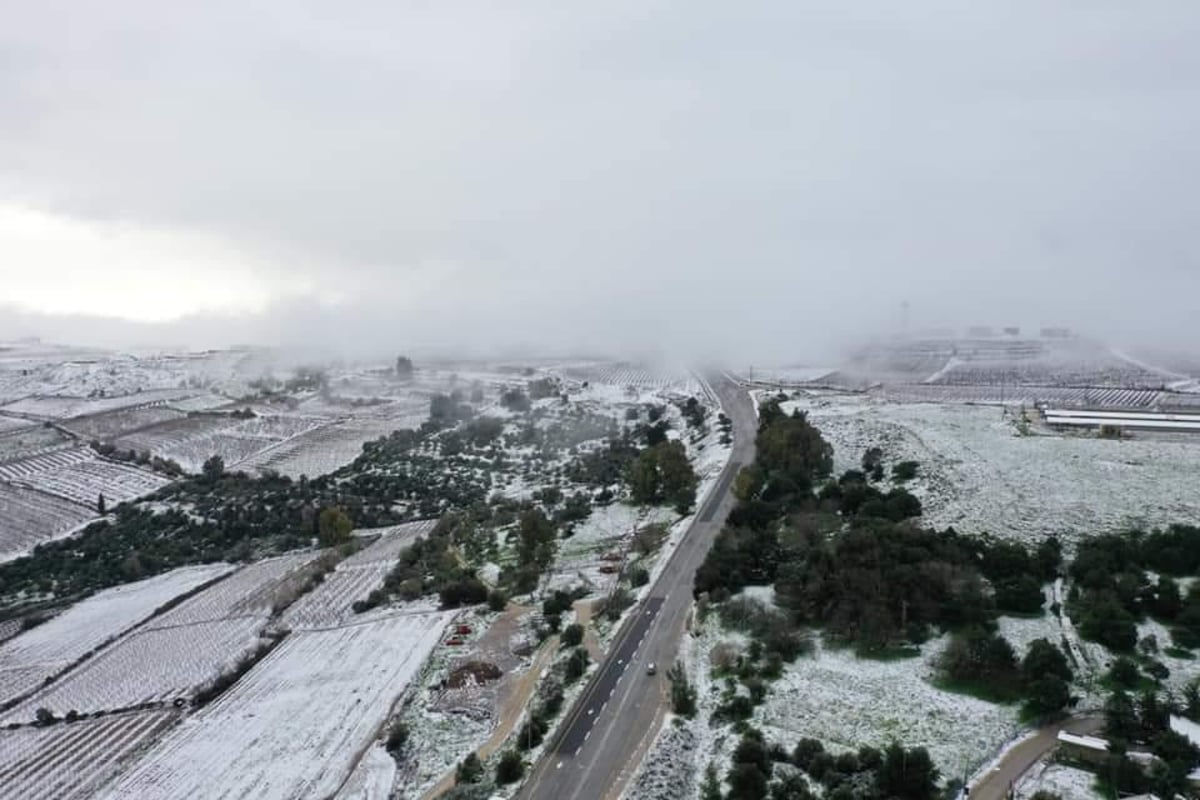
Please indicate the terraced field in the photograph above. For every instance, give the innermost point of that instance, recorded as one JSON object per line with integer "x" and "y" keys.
{"x": 71, "y": 762}
{"x": 326, "y": 449}
{"x": 105, "y": 427}
{"x": 28, "y": 659}
{"x": 28, "y": 518}
{"x": 1018, "y": 395}
{"x": 297, "y": 724}
{"x": 176, "y": 652}
{"x": 332, "y": 602}
{"x": 57, "y": 407}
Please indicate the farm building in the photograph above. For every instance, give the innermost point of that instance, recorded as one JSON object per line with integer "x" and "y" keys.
{"x": 1090, "y": 750}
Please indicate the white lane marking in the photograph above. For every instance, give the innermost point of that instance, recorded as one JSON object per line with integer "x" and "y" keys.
{"x": 586, "y": 735}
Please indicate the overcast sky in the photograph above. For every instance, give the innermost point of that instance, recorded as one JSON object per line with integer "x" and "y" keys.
{"x": 758, "y": 178}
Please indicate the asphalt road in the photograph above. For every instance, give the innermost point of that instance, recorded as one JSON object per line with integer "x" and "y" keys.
{"x": 605, "y": 733}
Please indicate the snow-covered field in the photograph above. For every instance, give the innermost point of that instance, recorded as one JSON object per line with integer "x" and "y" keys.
{"x": 28, "y": 518}
{"x": 328, "y": 448}
{"x": 331, "y": 603}
{"x": 66, "y": 407}
{"x": 848, "y": 702}
{"x": 980, "y": 475}
{"x": 26, "y": 660}
{"x": 176, "y": 652}
{"x": 297, "y": 724}
{"x": 146, "y": 666}
{"x": 1069, "y": 783}
{"x": 71, "y": 762}
{"x": 79, "y": 476}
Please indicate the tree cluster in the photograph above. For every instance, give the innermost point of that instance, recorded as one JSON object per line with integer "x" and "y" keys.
{"x": 759, "y": 771}
{"x": 663, "y": 474}
{"x": 1111, "y": 591}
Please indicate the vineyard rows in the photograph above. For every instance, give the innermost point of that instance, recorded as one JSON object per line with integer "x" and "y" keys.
{"x": 253, "y": 591}
{"x": 71, "y": 762}
{"x": 61, "y": 408}
{"x": 1108, "y": 375}
{"x": 31, "y": 466}
{"x": 30, "y": 518}
{"x": 296, "y": 724}
{"x": 332, "y": 602}
{"x": 111, "y": 425}
{"x": 1024, "y": 395}
{"x": 391, "y": 542}
{"x": 326, "y": 449}
{"x": 193, "y": 440}
{"x": 28, "y": 659}
{"x": 636, "y": 376}
{"x": 147, "y": 666}
{"x": 83, "y": 482}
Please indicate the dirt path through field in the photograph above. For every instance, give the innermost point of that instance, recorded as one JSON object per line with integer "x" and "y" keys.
{"x": 512, "y": 707}
{"x": 997, "y": 782}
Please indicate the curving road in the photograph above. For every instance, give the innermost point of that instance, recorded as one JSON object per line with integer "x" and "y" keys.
{"x": 609, "y": 728}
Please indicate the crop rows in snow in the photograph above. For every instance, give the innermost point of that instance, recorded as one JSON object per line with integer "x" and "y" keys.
{"x": 1020, "y": 395}
{"x": 70, "y": 762}
{"x": 45, "y": 462}
{"x": 84, "y": 481}
{"x": 193, "y": 440}
{"x": 295, "y": 725}
{"x": 28, "y": 518}
{"x": 253, "y": 591}
{"x": 326, "y": 449}
{"x": 331, "y": 603}
{"x": 28, "y": 659}
{"x": 60, "y": 408}
{"x": 147, "y": 666}
{"x": 635, "y": 375}
{"x": 116, "y": 423}
{"x": 176, "y": 652}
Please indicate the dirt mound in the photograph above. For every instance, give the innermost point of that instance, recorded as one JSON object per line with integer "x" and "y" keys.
{"x": 473, "y": 672}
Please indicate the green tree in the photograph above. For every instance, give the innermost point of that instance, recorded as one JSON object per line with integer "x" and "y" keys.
{"x": 404, "y": 368}
{"x": 791, "y": 446}
{"x": 645, "y": 484}
{"x": 1120, "y": 717}
{"x": 750, "y": 776}
{"x": 537, "y": 539}
{"x": 101, "y": 505}
{"x": 907, "y": 774}
{"x": 1044, "y": 658}
{"x": 213, "y": 468}
{"x": 572, "y": 635}
{"x": 683, "y": 694}
{"x": 470, "y": 770}
{"x": 510, "y": 769}
{"x": 1048, "y": 694}
{"x": 711, "y": 788}
{"x": 333, "y": 527}
{"x": 679, "y": 480}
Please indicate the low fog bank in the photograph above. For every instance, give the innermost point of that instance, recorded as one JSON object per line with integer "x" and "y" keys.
{"x": 738, "y": 320}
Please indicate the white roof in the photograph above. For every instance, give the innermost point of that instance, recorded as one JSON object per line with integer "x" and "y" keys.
{"x": 1185, "y": 727}
{"x": 1090, "y": 742}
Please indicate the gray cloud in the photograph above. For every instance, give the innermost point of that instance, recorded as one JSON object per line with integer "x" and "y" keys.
{"x": 765, "y": 178}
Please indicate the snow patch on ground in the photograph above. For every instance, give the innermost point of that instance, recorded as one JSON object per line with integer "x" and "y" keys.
{"x": 980, "y": 476}
{"x": 1069, "y": 783}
